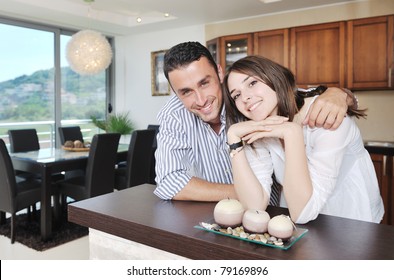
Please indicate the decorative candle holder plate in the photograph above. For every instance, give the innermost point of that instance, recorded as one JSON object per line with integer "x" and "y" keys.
{"x": 85, "y": 149}
{"x": 257, "y": 238}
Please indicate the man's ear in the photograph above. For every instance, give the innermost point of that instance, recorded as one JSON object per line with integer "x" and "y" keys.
{"x": 220, "y": 73}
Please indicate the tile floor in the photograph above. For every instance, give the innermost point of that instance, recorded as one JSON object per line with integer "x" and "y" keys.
{"x": 74, "y": 250}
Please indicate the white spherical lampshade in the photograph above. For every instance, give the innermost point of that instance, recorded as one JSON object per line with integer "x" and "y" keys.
{"x": 88, "y": 52}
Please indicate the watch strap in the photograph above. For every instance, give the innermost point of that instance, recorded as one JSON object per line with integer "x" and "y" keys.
{"x": 235, "y": 146}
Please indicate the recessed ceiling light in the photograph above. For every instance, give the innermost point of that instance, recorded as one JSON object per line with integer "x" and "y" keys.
{"x": 139, "y": 19}
{"x": 269, "y": 1}
{"x": 166, "y": 14}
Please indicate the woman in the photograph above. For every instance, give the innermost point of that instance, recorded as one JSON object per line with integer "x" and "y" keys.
{"x": 321, "y": 171}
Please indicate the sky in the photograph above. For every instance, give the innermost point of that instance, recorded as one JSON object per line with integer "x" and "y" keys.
{"x": 24, "y": 51}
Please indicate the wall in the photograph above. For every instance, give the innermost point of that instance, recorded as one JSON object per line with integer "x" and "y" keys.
{"x": 379, "y": 125}
{"x": 133, "y": 71}
{"x": 133, "y": 84}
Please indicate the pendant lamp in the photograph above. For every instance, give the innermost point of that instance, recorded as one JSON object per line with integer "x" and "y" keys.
{"x": 88, "y": 52}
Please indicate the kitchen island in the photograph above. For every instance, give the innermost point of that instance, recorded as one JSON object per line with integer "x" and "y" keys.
{"x": 134, "y": 223}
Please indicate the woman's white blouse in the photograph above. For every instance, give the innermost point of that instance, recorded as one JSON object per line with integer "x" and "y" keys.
{"x": 341, "y": 170}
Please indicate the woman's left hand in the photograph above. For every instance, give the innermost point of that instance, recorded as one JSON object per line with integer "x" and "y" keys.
{"x": 240, "y": 130}
{"x": 278, "y": 130}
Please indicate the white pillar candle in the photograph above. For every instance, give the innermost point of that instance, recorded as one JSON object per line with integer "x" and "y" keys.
{"x": 255, "y": 221}
{"x": 228, "y": 213}
{"x": 281, "y": 227}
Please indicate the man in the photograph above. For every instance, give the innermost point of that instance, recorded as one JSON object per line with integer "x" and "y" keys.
{"x": 192, "y": 156}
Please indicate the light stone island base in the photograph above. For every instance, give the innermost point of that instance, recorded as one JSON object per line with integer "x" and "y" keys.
{"x": 104, "y": 246}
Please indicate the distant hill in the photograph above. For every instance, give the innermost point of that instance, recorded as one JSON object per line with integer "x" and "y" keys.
{"x": 31, "y": 97}
{"x": 71, "y": 81}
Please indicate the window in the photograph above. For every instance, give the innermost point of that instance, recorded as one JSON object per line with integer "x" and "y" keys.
{"x": 81, "y": 96}
{"x": 33, "y": 95}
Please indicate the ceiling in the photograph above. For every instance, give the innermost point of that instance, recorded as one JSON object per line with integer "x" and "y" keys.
{"x": 119, "y": 17}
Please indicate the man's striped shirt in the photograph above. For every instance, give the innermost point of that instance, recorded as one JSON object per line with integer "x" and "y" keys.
{"x": 188, "y": 147}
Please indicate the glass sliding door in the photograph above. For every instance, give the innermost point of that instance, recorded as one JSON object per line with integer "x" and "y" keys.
{"x": 27, "y": 94}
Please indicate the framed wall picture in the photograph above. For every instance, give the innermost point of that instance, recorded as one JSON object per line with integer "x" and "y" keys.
{"x": 160, "y": 84}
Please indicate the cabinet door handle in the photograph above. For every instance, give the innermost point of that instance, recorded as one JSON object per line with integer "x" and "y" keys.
{"x": 384, "y": 165}
{"x": 390, "y": 76}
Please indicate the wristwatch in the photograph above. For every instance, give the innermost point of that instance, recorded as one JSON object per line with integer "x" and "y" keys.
{"x": 235, "y": 146}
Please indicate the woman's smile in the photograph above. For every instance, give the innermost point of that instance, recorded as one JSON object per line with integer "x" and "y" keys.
{"x": 254, "y": 105}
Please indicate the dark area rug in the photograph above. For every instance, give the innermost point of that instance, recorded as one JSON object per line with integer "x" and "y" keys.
{"x": 28, "y": 231}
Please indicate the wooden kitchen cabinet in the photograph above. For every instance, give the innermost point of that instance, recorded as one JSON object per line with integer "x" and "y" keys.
{"x": 370, "y": 53}
{"x": 213, "y": 47}
{"x": 234, "y": 47}
{"x": 317, "y": 54}
{"x": 355, "y": 54}
{"x": 273, "y": 44}
{"x": 384, "y": 171}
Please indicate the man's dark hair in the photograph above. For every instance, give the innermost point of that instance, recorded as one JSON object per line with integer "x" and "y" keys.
{"x": 183, "y": 54}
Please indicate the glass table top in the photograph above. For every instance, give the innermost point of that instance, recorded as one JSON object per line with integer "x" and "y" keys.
{"x": 53, "y": 154}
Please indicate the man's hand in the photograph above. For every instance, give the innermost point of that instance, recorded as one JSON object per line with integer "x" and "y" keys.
{"x": 328, "y": 110}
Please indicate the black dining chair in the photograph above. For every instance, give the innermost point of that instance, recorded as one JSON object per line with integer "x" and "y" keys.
{"x": 152, "y": 175}
{"x": 99, "y": 175}
{"x": 138, "y": 165}
{"x": 23, "y": 140}
{"x": 26, "y": 140}
{"x": 70, "y": 133}
{"x": 15, "y": 194}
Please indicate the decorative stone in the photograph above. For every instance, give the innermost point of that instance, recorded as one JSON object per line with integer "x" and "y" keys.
{"x": 252, "y": 236}
{"x": 273, "y": 238}
{"x": 278, "y": 243}
{"x": 263, "y": 239}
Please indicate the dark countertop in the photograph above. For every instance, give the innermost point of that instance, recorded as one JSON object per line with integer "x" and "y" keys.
{"x": 380, "y": 147}
{"x": 137, "y": 214}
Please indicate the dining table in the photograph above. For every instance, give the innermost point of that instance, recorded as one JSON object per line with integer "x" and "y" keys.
{"x": 135, "y": 223}
{"x": 49, "y": 161}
